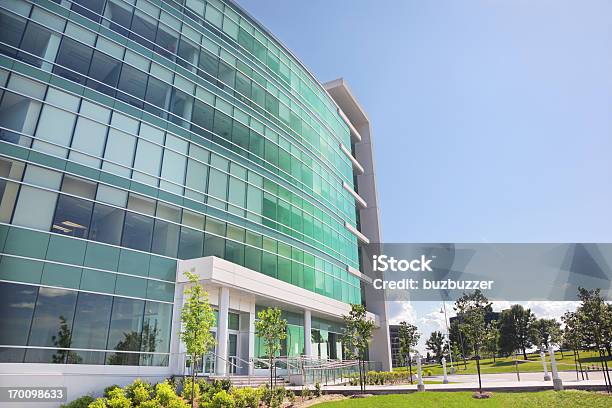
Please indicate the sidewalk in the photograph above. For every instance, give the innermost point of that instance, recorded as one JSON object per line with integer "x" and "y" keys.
{"x": 490, "y": 382}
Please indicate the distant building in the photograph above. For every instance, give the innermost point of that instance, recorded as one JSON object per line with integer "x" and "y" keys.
{"x": 396, "y": 360}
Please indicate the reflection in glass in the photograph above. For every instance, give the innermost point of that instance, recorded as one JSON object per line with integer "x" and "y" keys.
{"x": 91, "y": 321}
{"x": 17, "y": 306}
{"x": 137, "y": 232}
{"x": 52, "y": 321}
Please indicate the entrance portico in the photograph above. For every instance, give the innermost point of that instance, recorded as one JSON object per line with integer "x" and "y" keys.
{"x": 234, "y": 289}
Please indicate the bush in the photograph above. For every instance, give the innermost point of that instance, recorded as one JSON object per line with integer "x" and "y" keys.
{"x": 273, "y": 398}
{"x": 317, "y": 390}
{"x": 109, "y": 389}
{"x": 222, "y": 399}
{"x": 246, "y": 397}
{"x": 82, "y": 402}
{"x": 428, "y": 372}
{"x": 224, "y": 384}
{"x": 139, "y": 391}
{"x": 166, "y": 396}
{"x": 290, "y": 395}
{"x": 154, "y": 403}
{"x": 306, "y": 394}
{"x": 117, "y": 399}
{"x": 187, "y": 387}
{"x": 98, "y": 403}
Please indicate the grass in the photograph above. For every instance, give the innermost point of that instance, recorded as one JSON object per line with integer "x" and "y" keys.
{"x": 542, "y": 399}
{"x": 507, "y": 365}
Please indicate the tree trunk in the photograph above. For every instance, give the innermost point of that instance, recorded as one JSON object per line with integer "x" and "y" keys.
{"x": 478, "y": 368}
{"x": 524, "y": 353}
{"x": 580, "y": 363}
{"x": 360, "y": 377}
{"x": 576, "y": 365}
{"x": 193, "y": 370}
{"x": 604, "y": 367}
{"x": 271, "y": 373}
{"x": 410, "y": 368}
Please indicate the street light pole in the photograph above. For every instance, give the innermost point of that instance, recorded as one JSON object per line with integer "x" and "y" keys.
{"x": 450, "y": 352}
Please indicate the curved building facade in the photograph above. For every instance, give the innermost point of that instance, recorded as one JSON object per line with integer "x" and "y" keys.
{"x": 140, "y": 139}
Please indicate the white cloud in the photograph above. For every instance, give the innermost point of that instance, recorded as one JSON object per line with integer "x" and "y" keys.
{"x": 402, "y": 311}
{"x": 435, "y": 319}
{"x": 551, "y": 310}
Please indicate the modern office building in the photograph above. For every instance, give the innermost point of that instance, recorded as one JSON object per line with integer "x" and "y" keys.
{"x": 143, "y": 138}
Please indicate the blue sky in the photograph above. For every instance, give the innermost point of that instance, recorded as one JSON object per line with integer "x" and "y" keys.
{"x": 492, "y": 119}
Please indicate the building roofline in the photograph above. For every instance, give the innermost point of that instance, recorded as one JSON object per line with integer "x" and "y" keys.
{"x": 286, "y": 49}
{"x": 342, "y": 85}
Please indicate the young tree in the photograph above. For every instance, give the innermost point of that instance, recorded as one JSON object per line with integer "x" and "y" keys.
{"x": 356, "y": 335}
{"x": 491, "y": 343}
{"x": 572, "y": 337}
{"x": 472, "y": 309}
{"x": 515, "y": 329}
{"x": 271, "y": 329}
{"x": 458, "y": 341}
{"x": 408, "y": 338}
{"x": 595, "y": 320}
{"x": 197, "y": 318}
{"x": 437, "y": 345}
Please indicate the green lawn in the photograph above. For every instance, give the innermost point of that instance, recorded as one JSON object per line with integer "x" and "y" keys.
{"x": 505, "y": 365}
{"x": 542, "y": 399}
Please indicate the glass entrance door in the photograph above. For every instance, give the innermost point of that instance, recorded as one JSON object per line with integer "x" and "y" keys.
{"x": 232, "y": 350}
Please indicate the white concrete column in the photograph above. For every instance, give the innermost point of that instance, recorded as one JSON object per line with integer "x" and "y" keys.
{"x": 307, "y": 333}
{"x": 251, "y": 342}
{"x": 222, "y": 334}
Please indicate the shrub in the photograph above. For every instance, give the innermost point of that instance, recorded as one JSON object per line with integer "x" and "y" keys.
{"x": 165, "y": 394}
{"x": 306, "y": 394}
{"x": 222, "y": 399}
{"x": 117, "y": 399}
{"x": 290, "y": 395}
{"x": 246, "y": 397}
{"x": 273, "y": 398}
{"x": 139, "y": 391}
{"x": 225, "y": 384}
{"x": 109, "y": 389}
{"x": 317, "y": 390}
{"x": 187, "y": 389}
{"x": 154, "y": 403}
{"x": 98, "y": 403}
{"x": 82, "y": 402}
{"x": 428, "y": 372}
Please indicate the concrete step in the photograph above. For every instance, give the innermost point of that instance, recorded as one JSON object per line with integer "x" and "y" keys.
{"x": 245, "y": 380}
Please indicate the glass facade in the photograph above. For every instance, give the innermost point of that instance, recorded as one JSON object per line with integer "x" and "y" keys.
{"x": 134, "y": 133}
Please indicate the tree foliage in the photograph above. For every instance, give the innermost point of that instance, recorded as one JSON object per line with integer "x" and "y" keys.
{"x": 408, "y": 339}
{"x": 356, "y": 336}
{"x": 271, "y": 329}
{"x": 197, "y": 318}
{"x": 545, "y": 332}
{"x": 515, "y": 326}
{"x": 437, "y": 345}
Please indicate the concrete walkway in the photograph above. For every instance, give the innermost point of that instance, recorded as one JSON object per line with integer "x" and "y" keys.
{"x": 490, "y": 382}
